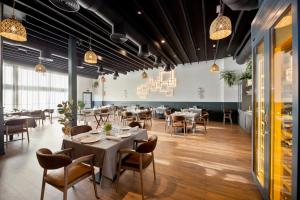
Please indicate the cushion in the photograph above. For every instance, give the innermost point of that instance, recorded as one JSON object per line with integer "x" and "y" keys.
{"x": 56, "y": 177}
{"x": 132, "y": 160}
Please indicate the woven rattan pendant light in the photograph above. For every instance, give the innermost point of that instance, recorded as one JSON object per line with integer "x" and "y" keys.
{"x": 90, "y": 56}
{"x": 221, "y": 27}
{"x": 12, "y": 29}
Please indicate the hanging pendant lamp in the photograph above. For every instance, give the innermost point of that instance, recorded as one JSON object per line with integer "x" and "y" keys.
{"x": 90, "y": 56}
{"x": 214, "y": 68}
{"x": 40, "y": 68}
{"x": 144, "y": 73}
{"x": 103, "y": 79}
{"x": 12, "y": 29}
{"x": 221, "y": 27}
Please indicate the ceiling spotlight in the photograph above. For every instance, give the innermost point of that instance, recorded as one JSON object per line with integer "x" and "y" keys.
{"x": 139, "y": 12}
{"x": 123, "y": 52}
{"x": 214, "y": 45}
{"x": 163, "y": 41}
{"x": 116, "y": 75}
{"x": 100, "y": 57}
{"x": 198, "y": 49}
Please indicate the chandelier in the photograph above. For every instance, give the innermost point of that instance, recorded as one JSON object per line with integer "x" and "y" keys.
{"x": 221, "y": 26}
{"x": 12, "y": 29}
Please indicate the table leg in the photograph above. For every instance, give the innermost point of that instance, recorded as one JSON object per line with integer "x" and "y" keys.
{"x": 98, "y": 176}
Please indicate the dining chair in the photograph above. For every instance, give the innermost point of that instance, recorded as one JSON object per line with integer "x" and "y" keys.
{"x": 64, "y": 173}
{"x": 38, "y": 115}
{"x": 202, "y": 120}
{"x": 16, "y": 126}
{"x": 138, "y": 159}
{"x": 75, "y": 130}
{"x": 227, "y": 115}
{"x": 48, "y": 113}
{"x": 167, "y": 115}
{"x": 178, "y": 122}
{"x": 134, "y": 124}
{"x": 127, "y": 117}
{"x": 146, "y": 116}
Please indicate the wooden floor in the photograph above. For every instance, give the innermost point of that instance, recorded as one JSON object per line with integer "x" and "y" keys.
{"x": 193, "y": 167}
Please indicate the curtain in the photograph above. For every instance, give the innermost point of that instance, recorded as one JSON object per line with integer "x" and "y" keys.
{"x": 26, "y": 89}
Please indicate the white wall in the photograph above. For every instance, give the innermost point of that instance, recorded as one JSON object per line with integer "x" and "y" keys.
{"x": 190, "y": 77}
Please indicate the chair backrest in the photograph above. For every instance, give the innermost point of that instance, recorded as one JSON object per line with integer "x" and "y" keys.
{"x": 80, "y": 129}
{"x": 16, "y": 122}
{"x": 128, "y": 114}
{"x": 227, "y": 111}
{"x": 176, "y": 118}
{"x": 105, "y": 110}
{"x": 48, "y": 160}
{"x": 148, "y": 146}
{"x": 37, "y": 113}
{"x": 134, "y": 124}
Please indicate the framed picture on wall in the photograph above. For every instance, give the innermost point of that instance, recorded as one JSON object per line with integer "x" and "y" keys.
{"x": 87, "y": 99}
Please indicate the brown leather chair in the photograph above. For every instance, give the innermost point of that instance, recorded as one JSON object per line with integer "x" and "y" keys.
{"x": 146, "y": 116}
{"x": 134, "y": 124}
{"x": 16, "y": 126}
{"x": 178, "y": 122}
{"x": 138, "y": 159}
{"x": 75, "y": 130}
{"x": 202, "y": 120}
{"x": 64, "y": 173}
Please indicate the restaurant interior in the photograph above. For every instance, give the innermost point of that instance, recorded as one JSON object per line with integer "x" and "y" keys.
{"x": 157, "y": 99}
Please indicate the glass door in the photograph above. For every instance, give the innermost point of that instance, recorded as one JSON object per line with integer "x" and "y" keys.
{"x": 281, "y": 109}
{"x": 259, "y": 119}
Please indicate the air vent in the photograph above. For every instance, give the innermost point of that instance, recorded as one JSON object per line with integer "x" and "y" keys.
{"x": 66, "y": 5}
{"x": 118, "y": 34}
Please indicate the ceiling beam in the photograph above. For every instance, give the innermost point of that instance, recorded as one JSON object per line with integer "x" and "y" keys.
{"x": 235, "y": 29}
{"x": 204, "y": 28}
{"x": 188, "y": 25}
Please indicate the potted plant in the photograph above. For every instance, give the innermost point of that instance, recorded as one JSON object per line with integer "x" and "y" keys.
{"x": 230, "y": 77}
{"x": 65, "y": 110}
{"x": 247, "y": 74}
{"x": 80, "y": 105}
{"x": 107, "y": 128}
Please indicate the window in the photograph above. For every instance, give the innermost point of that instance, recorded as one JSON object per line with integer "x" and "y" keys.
{"x": 24, "y": 89}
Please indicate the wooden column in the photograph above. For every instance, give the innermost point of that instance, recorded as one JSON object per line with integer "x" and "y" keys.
{"x": 72, "y": 68}
{"x": 1, "y": 90}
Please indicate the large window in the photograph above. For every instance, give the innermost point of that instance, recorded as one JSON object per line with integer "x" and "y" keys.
{"x": 24, "y": 89}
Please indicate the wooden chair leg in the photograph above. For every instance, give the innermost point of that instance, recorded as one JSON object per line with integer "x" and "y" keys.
{"x": 142, "y": 188}
{"x": 153, "y": 167}
{"x": 94, "y": 184}
{"x": 65, "y": 193}
{"x": 27, "y": 136}
{"x": 43, "y": 189}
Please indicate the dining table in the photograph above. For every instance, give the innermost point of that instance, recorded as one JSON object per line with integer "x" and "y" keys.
{"x": 105, "y": 149}
{"x": 189, "y": 117}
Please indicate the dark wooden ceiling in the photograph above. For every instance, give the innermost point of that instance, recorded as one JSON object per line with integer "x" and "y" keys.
{"x": 183, "y": 24}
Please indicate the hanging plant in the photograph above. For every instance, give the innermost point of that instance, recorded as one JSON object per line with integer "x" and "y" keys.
{"x": 230, "y": 77}
{"x": 95, "y": 84}
{"x": 247, "y": 74}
